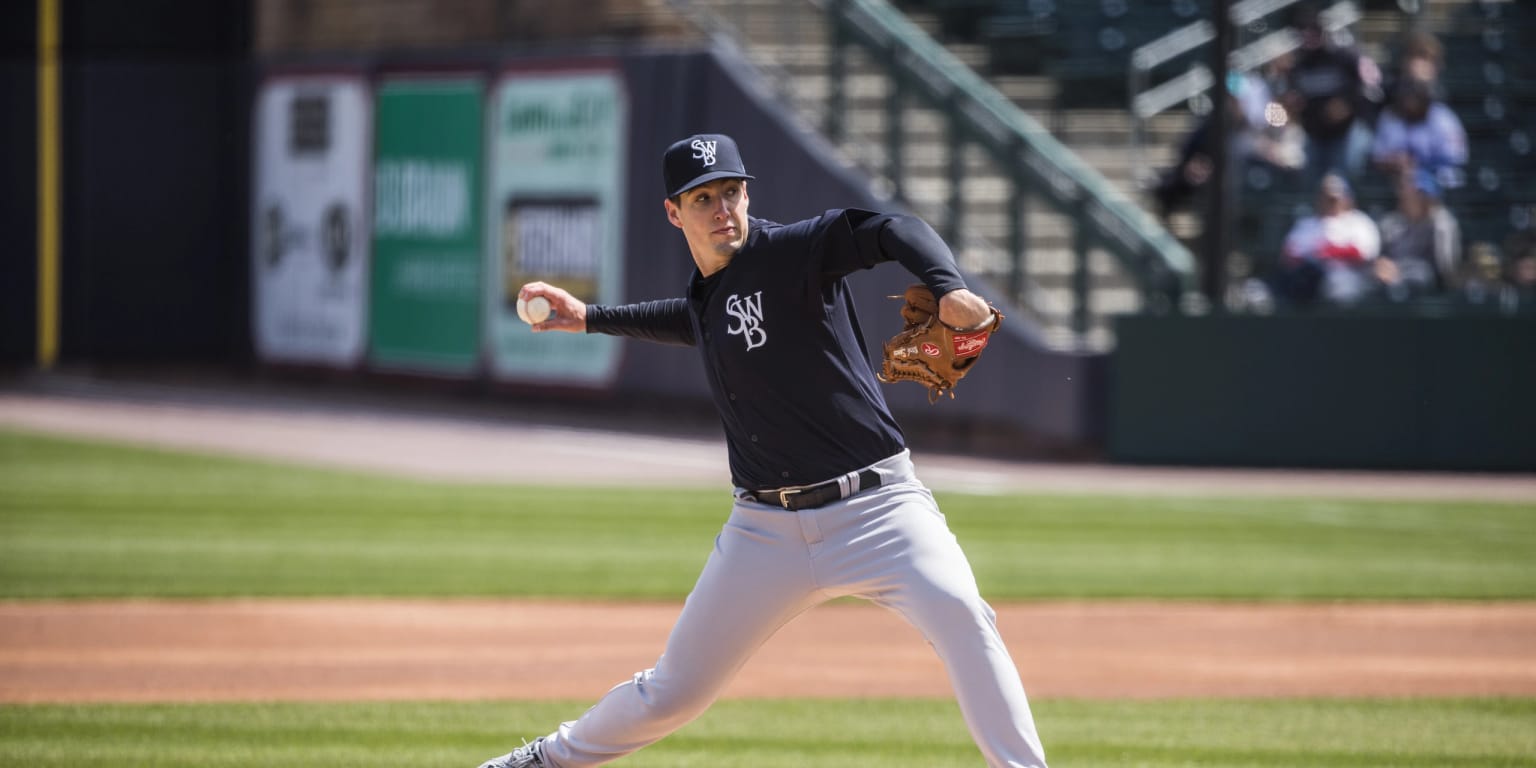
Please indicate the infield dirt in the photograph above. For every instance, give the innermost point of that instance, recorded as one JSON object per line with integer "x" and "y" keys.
{"x": 373, "y": 649}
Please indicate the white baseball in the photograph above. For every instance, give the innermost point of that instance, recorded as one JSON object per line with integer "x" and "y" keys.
{"x": 534, "y": 310}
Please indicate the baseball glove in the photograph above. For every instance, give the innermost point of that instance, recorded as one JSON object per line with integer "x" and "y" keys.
{"x": 929, "y": 352}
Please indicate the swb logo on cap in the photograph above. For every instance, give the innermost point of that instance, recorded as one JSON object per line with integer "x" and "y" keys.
{"x": 699, "y": 159}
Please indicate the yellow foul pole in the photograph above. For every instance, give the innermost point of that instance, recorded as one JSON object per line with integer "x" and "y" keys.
{"x": 48, "y": 198}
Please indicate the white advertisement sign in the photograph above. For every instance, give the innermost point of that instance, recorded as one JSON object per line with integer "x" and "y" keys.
{"x": 309, "y": 228}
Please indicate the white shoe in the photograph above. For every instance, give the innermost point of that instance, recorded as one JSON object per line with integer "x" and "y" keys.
{"x": 526, "y": 756}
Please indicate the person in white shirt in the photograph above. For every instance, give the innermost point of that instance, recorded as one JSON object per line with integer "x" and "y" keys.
{"x": 1329, "y": 255}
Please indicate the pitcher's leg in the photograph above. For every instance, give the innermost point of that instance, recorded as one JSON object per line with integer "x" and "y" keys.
{"x": 963, "y": 631}
{"x": 911, "y": 563}
{"x": 750, "y": 586}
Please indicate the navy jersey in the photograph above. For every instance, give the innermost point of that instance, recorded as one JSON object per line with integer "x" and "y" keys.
{"x": 781, "y": 345}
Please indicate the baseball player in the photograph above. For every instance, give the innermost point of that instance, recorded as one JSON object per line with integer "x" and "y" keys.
{"x": 826, "y": 503}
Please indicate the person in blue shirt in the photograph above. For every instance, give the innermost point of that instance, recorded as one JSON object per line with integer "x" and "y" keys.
{"x": 826, "y": 501}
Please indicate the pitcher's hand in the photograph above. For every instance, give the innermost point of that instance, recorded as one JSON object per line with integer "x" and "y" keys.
{"x": 568, "y": 312}
{"x": 964, "y": 310}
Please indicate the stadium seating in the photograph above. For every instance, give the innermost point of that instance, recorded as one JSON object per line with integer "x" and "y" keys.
{"x": 1081, "y": 50}
{"x": 1084, "y": 44}
{"x": 1100, "y": 36}
{"x": 1022, "y": 37}
{"x": 1490, "y": 82}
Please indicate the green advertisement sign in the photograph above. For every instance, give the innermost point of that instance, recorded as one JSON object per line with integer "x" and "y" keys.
{"x": 556, "y": 214}
{"x": 427, "y": 233}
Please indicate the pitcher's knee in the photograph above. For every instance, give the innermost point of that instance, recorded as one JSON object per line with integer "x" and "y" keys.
{"x": 956, "y": 610}
{"x": 670, "y": 701}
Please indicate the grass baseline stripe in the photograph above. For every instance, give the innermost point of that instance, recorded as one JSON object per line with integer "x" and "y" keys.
{"x": 815, "y": 734}
{"x": 80, "y": 519}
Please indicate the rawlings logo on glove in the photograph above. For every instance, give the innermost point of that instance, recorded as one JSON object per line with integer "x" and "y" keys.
{"x": 929, "y": 352}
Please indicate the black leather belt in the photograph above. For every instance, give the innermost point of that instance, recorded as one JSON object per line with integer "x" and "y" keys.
{"x": 808, "y": 496}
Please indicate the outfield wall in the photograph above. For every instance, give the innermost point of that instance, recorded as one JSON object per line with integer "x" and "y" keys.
{"x": 18, "y": 181}
{"x": 150, "y": 138}
{"x": 1385, "y": 391}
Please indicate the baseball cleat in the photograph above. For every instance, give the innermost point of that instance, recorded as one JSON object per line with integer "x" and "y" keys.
{"x": 526, "y": 756}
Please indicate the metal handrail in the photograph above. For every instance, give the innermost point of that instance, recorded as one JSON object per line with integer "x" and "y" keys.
{"x": 1035, "y": 160}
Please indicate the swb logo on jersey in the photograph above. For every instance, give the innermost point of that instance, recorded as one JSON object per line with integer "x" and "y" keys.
{"x": 749, "y": 318}
{"x": 704, "y": 150}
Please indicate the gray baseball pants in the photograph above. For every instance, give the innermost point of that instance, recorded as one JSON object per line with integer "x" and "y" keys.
{"x": 890, "y": 545}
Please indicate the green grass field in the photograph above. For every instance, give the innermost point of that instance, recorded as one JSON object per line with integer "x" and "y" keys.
{"x": 86, "y": 520}
{"x": 802, "y": 734}
{"x": 79, "y": 519}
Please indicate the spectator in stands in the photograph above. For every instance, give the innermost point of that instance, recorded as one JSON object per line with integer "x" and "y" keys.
{"x": 1254, "y": 135}
{"x": 1268, "y": 135}
{"x": 1520, "y": 254}
{"x": 1420, "y": 57}
{"x": 1420, "y": 241}
{"x": 1177, "y": 186}
{"x": 1419, "y": 132}
{"x": 1334, "y": 90}
{"x": 1329, "y": 255}
{"x": 1483, "y": 280}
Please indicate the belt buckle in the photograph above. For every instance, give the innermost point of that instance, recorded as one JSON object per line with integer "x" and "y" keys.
{"x": 786, "y": 493}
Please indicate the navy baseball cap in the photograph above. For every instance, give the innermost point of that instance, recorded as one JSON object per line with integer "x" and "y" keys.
{"x": 701, "y": 158}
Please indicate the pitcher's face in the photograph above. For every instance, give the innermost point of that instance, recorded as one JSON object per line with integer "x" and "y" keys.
{"x": 712, "y": 216}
